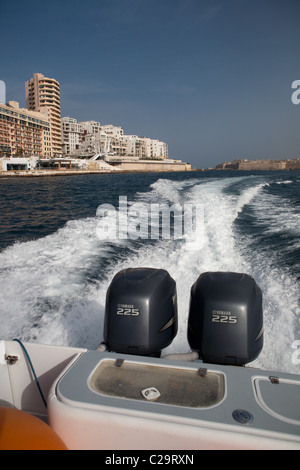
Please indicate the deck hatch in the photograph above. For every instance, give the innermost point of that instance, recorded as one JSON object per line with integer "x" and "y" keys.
{"x": 176, "y": 386}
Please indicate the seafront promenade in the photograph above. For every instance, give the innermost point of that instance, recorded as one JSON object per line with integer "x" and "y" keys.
{"x": 36, "y": 173}
{"x": 121, "y": 165}
{"x": 66, "y": 172}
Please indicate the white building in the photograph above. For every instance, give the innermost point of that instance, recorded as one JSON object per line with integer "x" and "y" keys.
{"x": 159, "y": 149}
{"x": 145, "y": 148}
{"x": 90, "y": 127}
{"x": 71, "y": 135}
{"x": 132, "y": 144}
{"x": 90, "y": 138}
{"x": 115, "y": 131}
{"x": 93, "y": 144}
{"x": 18, "y": 163}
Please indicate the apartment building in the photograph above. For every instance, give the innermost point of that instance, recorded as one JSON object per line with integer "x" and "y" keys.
{"x": 158, "y": 149}
{"x": 71, "y": 135}
{"x": 90, "y": 127}
{"x": 88, "y": 138}
{"x": 145, "y": 148}
{"x": 91, "y": 139}
{"x": 101, "y": 143}
{"x": 114, "y": 142}
{"x": 43, "y": 95}
{"x": 23, "y": 132}
{"x": 111, "y": 130}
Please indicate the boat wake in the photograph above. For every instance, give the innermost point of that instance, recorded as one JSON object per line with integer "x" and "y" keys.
{"x": 53, "y": 289}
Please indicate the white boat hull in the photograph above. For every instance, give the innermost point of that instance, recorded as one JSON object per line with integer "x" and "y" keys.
{"x": 89, "y": 416}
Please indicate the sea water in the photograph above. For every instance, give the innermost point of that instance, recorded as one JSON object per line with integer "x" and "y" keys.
{"x": 55, "y": 269}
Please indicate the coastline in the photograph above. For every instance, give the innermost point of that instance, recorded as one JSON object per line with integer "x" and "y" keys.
{"x": 52, "y": 173}
{"x": 43, "y": 173}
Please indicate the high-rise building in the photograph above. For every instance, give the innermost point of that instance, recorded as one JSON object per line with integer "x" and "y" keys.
{"x": 43, "y": 95}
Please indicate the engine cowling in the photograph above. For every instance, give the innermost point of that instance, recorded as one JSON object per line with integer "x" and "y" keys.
{"x": 140, "y": 312}
{"x": 225, "y": 324}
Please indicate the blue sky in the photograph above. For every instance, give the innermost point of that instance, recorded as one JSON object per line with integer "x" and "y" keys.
{"x": 212, "y": 78}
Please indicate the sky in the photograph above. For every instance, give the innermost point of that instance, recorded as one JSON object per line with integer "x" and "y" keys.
{"x": 211, "y": 78}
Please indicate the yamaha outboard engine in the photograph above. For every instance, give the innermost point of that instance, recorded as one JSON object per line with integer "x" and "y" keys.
{"x": 225, "y": 323}
{"x": 140, "y": 312}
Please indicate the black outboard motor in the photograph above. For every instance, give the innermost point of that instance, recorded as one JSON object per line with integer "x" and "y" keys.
{"x": 140, "y": 312}
{"x": 225, "y": 323}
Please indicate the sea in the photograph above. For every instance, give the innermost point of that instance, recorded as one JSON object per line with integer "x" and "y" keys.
{"x": 56, "y": 266}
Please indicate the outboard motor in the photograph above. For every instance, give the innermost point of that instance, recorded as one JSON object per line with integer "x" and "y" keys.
{"x": 140, "y": 312}
{"x": 225, "y": 324}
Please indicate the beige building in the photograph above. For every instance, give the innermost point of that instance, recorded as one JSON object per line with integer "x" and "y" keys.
{"x": 23, "y": 132}
{"x": 43, "y": 94}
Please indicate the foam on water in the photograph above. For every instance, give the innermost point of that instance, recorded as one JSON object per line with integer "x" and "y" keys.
{"x": 53, "y": 289}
